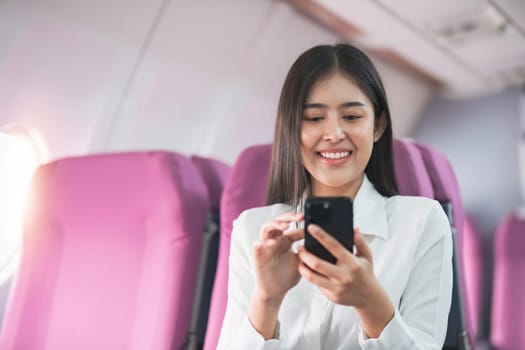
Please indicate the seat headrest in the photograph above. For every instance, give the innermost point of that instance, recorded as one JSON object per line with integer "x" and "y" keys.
{"x": 411, "y": 175}
{"x": 215, "y": 173}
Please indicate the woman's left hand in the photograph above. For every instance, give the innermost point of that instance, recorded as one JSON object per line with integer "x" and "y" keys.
{"x": 350, "y": 281}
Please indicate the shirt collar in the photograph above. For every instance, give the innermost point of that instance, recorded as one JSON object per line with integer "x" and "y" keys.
{"x": 370, "y": 212}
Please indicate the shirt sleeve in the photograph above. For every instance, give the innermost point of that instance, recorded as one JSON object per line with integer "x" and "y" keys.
{"x": 237, "y": 331}
{"x": 420, "y": 322}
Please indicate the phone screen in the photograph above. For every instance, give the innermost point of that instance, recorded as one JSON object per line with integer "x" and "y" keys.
{"x": 335, "y": 216}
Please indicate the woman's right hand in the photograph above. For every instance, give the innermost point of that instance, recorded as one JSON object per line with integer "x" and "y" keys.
{"x": 276, "y": 266}
{"x": 276, "y": 271}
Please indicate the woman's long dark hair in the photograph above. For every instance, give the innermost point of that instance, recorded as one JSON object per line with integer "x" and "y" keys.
{"x": 288, "y": 177}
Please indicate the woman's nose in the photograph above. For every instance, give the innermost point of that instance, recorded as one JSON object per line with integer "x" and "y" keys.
{"x": 333, "y": 131}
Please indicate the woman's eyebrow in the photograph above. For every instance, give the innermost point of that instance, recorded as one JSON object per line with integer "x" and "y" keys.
{"x": 343, "y": 105}
{"x": 352, "y": 104}
{"x": 314, "y": 105}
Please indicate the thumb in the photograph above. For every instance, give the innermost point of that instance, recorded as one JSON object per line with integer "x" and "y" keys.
{"x": 362, "y": 248}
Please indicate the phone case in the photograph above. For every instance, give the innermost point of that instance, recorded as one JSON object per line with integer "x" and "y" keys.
{"x": 335, "y": 216}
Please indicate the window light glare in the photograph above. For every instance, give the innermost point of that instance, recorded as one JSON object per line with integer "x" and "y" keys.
{"x": 20, "y": 155}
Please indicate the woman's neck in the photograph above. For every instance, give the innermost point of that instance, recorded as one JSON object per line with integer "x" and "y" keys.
{"x": 349, "y": 189}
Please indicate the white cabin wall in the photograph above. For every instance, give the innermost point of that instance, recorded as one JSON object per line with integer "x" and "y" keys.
{"x": 217, "y": 93}
{"x": 197, "y": 77}
{"x": 213, "y": 92}
{"x": 408, "y": 97}
{"x": 63, "y": 64}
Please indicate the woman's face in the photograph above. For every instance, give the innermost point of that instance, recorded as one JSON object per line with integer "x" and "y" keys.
{"x": 337, "y": 136}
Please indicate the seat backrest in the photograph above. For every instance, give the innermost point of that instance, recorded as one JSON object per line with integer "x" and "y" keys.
{"x": 446, "y": 191}
{"x": 245, "y": 188}
{"x": 445, "y": 185}
{"x": 215, "y": 173}
{"x": 109, "y": 256}
{"x": 508, "y": 301}
{"x": 411, "y": 174}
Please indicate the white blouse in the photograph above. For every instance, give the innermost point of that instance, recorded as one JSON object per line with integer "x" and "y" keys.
{"x": 412, "y": 250}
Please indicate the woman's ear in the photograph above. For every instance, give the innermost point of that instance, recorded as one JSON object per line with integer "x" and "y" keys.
{"x": 380, "y": 126}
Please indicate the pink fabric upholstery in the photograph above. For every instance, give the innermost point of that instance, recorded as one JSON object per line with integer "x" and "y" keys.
{"x": 246, "y": 188}
{"x": 110, "y": 254}
{"x": 214, "y": 173}
{"x": 508, "y": 298}
{"x": 445, "y": 184}
{"x": 472, "y": 254}
{"x": 411, "y": 174}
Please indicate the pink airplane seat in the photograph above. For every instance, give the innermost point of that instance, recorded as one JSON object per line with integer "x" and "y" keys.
{"x": 245, "y": 188}
{"x": 109, "y": 255}
{"x": 508, "y": 296}
{"x": 215, "y": 173}
{"x": 446, "y": 191}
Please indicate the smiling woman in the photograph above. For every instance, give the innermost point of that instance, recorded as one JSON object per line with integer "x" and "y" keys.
{"x": 333, "y": 137}
{"x": 21, "y": 151}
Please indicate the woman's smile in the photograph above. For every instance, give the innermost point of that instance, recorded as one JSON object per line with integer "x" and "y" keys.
{"x": 334, "y": 157}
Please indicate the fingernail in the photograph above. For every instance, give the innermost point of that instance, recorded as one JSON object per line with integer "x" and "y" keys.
{"x": 314, "y": 229}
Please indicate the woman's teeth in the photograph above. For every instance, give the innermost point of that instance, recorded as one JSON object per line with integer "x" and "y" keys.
{"x": 334, "y": 155}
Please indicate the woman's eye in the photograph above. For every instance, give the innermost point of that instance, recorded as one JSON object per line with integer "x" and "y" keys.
{"x": 351, "y": 117}
{"x": 316, "y": 118}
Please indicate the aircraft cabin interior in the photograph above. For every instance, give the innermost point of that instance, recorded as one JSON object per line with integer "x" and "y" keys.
{"x": 135, "y": 136}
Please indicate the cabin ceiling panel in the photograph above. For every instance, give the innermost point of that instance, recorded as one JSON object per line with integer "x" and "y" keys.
{"x": 216, "y": 40}
{"x": 515, "y": 10}
{"x": 470, "y": 46}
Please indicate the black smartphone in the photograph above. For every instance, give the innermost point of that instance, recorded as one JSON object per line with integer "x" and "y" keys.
{"x": 335, "y": 215}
